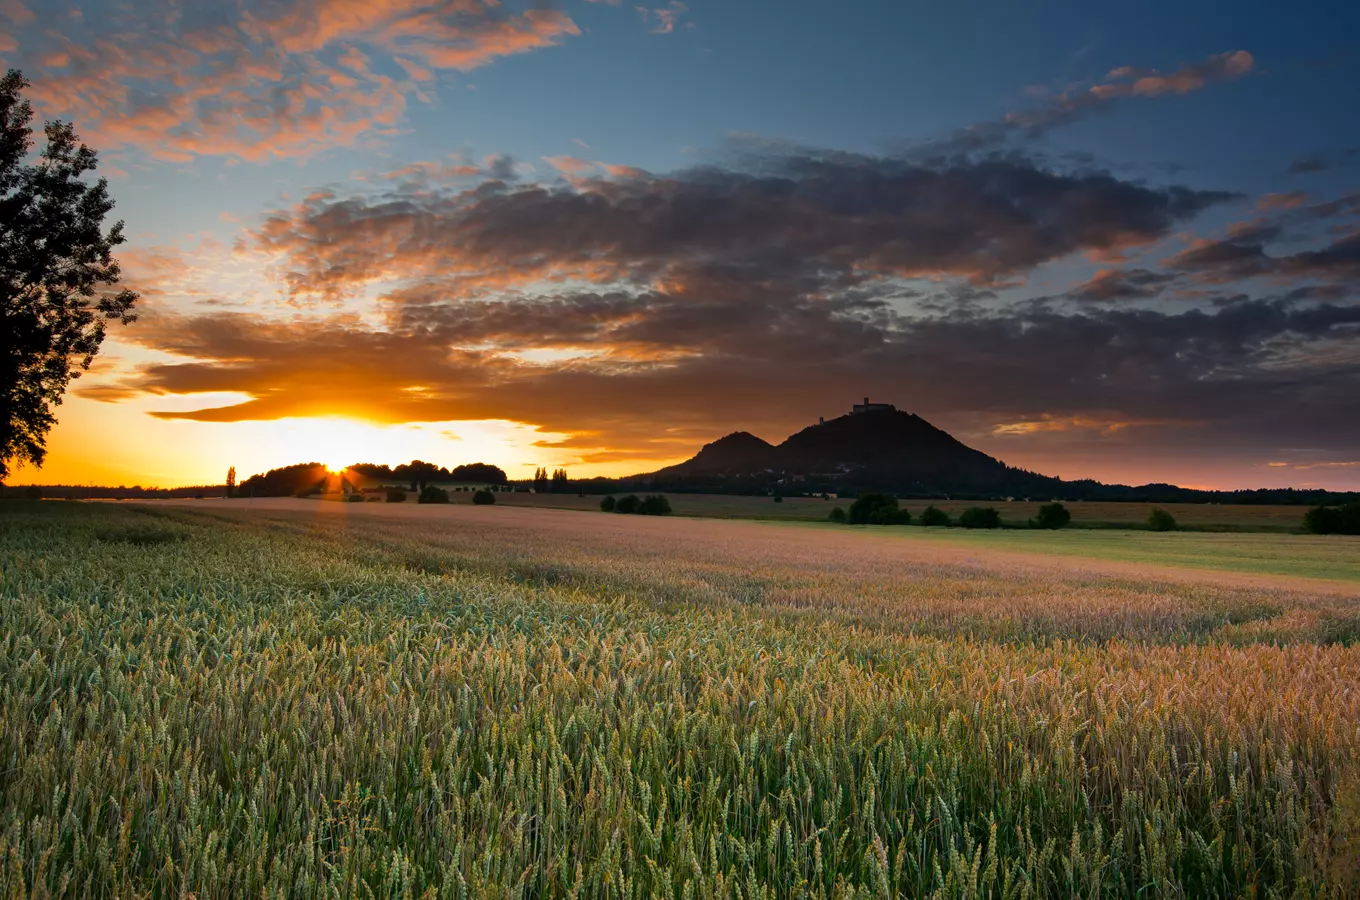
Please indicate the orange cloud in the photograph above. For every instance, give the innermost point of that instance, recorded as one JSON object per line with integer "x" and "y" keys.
{"x": 16, "y": 12}
{"x": 1071, "y": 105}
{"x": 1051, "y": 423}
{"x": 1291, "y": 200}
{"x": 256, "y": 84}
{"x": 1151, "y": 83}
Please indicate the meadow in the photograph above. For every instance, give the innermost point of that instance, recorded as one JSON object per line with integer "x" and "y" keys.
{"x": 298, "y": 698}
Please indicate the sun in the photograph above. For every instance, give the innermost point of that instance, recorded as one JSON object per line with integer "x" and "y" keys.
{"x": 336, "y": 468}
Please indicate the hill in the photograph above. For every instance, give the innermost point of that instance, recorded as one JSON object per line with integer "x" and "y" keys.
{"x": 876, "y": 445}
{"x": 739, "y": 453}
{"x": 879, "y": 447}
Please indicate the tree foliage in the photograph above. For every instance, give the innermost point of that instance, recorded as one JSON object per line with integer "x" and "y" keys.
{"x": 286, "y": 481}
{"x": 877, "y": 509}
{"x": 56, "y": 269}
{"x": 1052, "y": 515}
{"x": 1161, "y": 520}
{"x": 479, "y": 473}
{"x": 432, "y": 494}
{"x": 980, "y": 517}
{"x": 1333, "y": 519}
{"x": 607, "y": 504}
{"x": 484, "y": 498}
{"x": 932, "y": 515}
{"x": 655, "y": 505}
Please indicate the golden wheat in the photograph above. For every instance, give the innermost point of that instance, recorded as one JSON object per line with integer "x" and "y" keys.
{"x": 279, "y": 705}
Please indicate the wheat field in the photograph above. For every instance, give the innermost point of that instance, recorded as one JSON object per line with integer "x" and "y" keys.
{"x": 323, "y": 701}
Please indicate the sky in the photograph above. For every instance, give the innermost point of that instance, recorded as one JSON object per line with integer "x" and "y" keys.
{"x": 1118, "y": 241}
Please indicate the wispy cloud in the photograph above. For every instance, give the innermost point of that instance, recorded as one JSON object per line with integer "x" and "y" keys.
{"x": 663, "y": 19}
{"x": 258, "y": 81}
{"x": 1078, "y": 102}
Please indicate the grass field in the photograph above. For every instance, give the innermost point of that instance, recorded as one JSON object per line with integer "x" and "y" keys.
{"x": 317, "y": 699}
{"x": 1210, "y": 516}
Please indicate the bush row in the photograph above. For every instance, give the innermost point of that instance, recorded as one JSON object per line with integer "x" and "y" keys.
{"x": 882, "y": 509}
{"x": 653, "y": 505}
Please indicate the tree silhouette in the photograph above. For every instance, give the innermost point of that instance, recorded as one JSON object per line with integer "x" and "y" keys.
{"x": 1052, "y": 515}
{"x": 55, "y": 263}
{"x": 231, "y": 482}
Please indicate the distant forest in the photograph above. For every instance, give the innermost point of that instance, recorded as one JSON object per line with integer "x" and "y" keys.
{"x": 303, "y": 478}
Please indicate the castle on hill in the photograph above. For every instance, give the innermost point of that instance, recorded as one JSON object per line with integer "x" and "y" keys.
{"x": 864, "y": 407}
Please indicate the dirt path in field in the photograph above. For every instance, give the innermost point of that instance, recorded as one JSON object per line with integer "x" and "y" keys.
{"x": 765, "y": 541}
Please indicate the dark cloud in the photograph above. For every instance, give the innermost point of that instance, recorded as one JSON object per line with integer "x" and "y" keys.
{"x": 1321, "y": 162}
{"x": 1252, "y": 373}
{"x": 648, "y": 315}
{"x": 1242, "y": 254}
{"x": 1122, "y": 284}
{"x": 1338, "y": 260}
{"x": 836, "y": 220}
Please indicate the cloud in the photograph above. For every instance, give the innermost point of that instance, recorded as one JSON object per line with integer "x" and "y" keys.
{"x": 571, "y": 167}
{"x": 1321, "y": 162}
{"x": 1075, "y": 103}
{"x": 1291, "y": 200}
{"x": 646, "y": 315}
{"x": 16, "y": 12}
{"x": 1127, "y": 81}
{"x": 256, "y": 80}
{"x": 1259, "y": 374}
{"x": 1237, "y": 256}
{"x": 1052, "y": 423}
{"x": 1122, "y": 284}
{"x": 1242, "y": 254}
{"x": 665, "y": 17}
{"x": 798, "y": 223}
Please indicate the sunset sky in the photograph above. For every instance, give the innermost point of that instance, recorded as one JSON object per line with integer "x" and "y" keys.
{"x": 1118, "y": 241}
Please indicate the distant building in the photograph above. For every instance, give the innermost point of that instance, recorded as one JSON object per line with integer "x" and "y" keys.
{"x": 866, "y": 406}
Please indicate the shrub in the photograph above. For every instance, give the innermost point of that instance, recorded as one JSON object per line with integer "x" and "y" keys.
{"x": 484, "y": 498}
{"x": 980, "y": 517}
{"x": 1333, "y": 519}
{"x": 355, "y": 498}
{"x": 1161, "y": 520}
{"x": 933, "y": 515}
{"x": 1052, "y": 515}
{"x": 628, "y": 505}
{"x": 33, "y": 493}
{"x": 778, "y": 498}
{"x": 877, "y": 509}
{"x": 396, "y": 495}
{"x": 607, "y": 504}
{"x": 1350, "y": 518}
{"x": 431, "y": 494}
{"x": 837, "y": 515}
{"x": 655, "y": 505}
